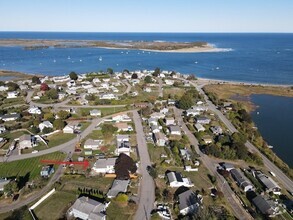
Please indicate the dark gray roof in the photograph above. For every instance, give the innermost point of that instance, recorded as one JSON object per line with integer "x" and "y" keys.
{"x": 186, "y": 199}
{"x": 262, "y": 204}
{"x": 117, "y": 187}
{"x": 174, "y": 176}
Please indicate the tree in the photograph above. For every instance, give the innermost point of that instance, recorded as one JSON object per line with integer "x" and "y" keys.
{"x": 157, "y": 72}
{"x": 186, "y": 101}
{"x": 73, "y": 76}
{"x": 12, "y": 86}
{"x": 148, "y": 79}
{"x": 47, "y": 130}
{"x": 11, "y": 188}
{"x": 146, "y": 111}
{"x": 59, "y": 124}
{"x": 191, "y": 77}
{"x": 108, "y": 130}
{"x": 90, "y": 97}
{"x": 44, "y": 87}
{"x": 126, "y": 71}
{"x": 52, "y": 94}
{"x": 36, "y": 80}
{"x": 49, "y": 116}
{"x": 123, "y": 166}
{"x": 134, "y": 76}
{"x": 63, "y": 114}
{"x": 110, "y": 71}
{"x": 35, "y": 130}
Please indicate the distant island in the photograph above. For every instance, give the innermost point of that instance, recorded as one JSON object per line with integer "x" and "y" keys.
{"x": 157, "y": 46}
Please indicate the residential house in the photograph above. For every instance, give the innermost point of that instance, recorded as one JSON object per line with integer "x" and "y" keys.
{"x": 155, "y": 129}
{"x": 157, "y": 115}
{"x": 207, "y": 139}
{"x": 147, "y": 89}
{"x": 192, "y": 112}
{"x": 87, "y": 209}
{"x": 93, "y": 91}
{"x": 217, "y": 130}
{"x": 3, "y": 88}
{"x": 122, "y": 126}
{"x": 45, "y": 124}
{"x": 23, "y": 87}
{"x": 160, "y": 139}
{"x": 47, "y": 171}
{"x": 121, "y": 117}
{"x": 228, "y": 166}
{"x": 268, "y": 183}
{"x": 164, "y": 111}
{"x": 175, "y": 179}
{"x": 265, "y": 206}
{"x": 199, "y": 127}
{"x": 175, "y": 130}
{"x": 71, "y": 83}
{"x": 241, "y": 180}
{"x": 71, "y": 91}
{"x": 91, "y": 144}
{"x": 60, "y": 79}
{"x": 25, "y": 141}
{"x": 169, "y": 82}
{"x": 69, "y": 129}
{"x": 171, "y": 102}
{"x": 123, "y": 145}
{"x": 104, "y": 165}
{"x": 185, "y": 154}
{"x": 199, "y": 108}
{"x": 10, "y": 117}
{"x": 2, "y": 129}
{"x": 153, "y": 121}
{"x": 3, "y": 182}
{"x": 95, "y": 113}
{"x": 189, "y": 202}
{"x": 96, "y": 80}
{"x": 12, "y": 95}
{"x": 203, "y": 120}
{"x": 170, "y": 121}
{"x": 61, "y": 95}
{"x": 34, "y": 110}
{"x": 118, "y": 186}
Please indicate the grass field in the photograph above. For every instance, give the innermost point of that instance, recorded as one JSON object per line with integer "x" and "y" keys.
{"x": 55, "y": 206}
{"x": 30, "y": 166}
{"x": 115, "y": 211}
{"x": 59, "y": 138}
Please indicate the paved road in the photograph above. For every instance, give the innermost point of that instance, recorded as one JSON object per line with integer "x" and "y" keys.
{"x": 237, "y": 208}
{"x": 160, "y": 87}
{"x": 147, "y": 187}
{"x": 280, "y": 175}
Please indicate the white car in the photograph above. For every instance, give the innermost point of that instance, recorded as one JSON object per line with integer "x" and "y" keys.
{"x": 272, "y": 173}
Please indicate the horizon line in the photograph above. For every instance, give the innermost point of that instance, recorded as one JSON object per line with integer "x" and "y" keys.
{"x": 150, "y": 32}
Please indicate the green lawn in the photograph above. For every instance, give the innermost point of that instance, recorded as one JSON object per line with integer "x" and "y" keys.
{"x": 31, "y": 166}
{"x": 115, "y": 211}
{"x": 55, "y": 206}
{"x": 59, "y": 138}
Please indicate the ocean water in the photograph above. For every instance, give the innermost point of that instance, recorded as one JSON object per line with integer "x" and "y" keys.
{"x": 260, "y": 58}
{"x": 274, "y": 122}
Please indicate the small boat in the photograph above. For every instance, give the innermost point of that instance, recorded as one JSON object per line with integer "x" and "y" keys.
{"x": 100, "y": 58}
{"x": 270, "y": 146}
{"x": 195, "y": 62}
{"x": 257, "y": 113}
{"x": 68, "y": 58}
{"x": 54, "y": 61}
{"x": 217, "y": 68}
{"x": 80, "y": 60}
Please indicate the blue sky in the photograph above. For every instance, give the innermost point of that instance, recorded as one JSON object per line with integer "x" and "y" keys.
{"x": 147, "y": 15}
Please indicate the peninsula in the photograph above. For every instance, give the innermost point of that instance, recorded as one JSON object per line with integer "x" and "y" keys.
{"x": 157, "y": 46}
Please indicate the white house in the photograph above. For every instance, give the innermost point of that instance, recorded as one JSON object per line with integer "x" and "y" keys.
{"x": 104, "y": 165}
{"x": 199, "y": 127}
{"x": 2, "y": 129}
{"x": 122, "y": 126}
{"x": 189, "y": 202}
{"x": 34, "y": 110}
{"x": 91, "y": 144}
{"x": 61, "y": 95}
{"x": 45, "y": 124}
{"x": 192, "y": 112}
{"x": 93, "y": 91}
{"x": 147, "y": 89}
{"x": 95, "y": 112}
{"x": 170, "y": 121}
{"x": 160, "y": 139}
{"x": 10, "y": 117}
{"x": 12, "y": 95}
{"x": 121, "y": 118}
{"x": 3, "y": 88}
{"x": 123, "y": 147}
{"x": 217, "y": 130}
{"x": 69, "y": 129}
{"x": 25, "y": 141}
{"x": 71, "y": 91}
{"x": 157, "y": 115}
{"x": 175, "y": 130}
{"x": 108, "y": 96}
{"x": 87, "y": 209}
{"x": 153, "y": 121}
{"x": 96, "y": 80}
{"x": 155, "y": 129}
{"x": 176, "y": 180}
{"x": 203, "y": 120}
{"x": 164, "y": 111}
